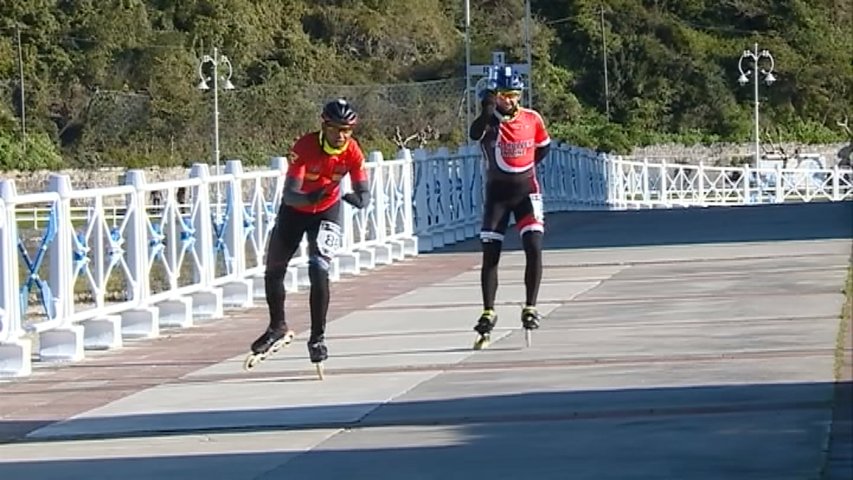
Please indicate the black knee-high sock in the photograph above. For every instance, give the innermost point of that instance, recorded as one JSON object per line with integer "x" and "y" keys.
{"x": 274, "y": 288}
{"x": 489, "y": 273}
{"x": 319, "y": 300}
{"x": 532, "y": 242}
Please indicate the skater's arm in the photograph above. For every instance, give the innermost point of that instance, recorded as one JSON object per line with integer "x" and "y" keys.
{"x": 542, "y": 139}
{"x": 292, "y": 193}
{"x": 541, "y": 152}
{"x": 293, "y": 196}
{"x": 360, "y": 195}
{"x": 481, "y": 124}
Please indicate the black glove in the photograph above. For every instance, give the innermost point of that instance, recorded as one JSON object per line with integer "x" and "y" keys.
{"x": 354, "y": 199}
{"x": 487, "y": 105}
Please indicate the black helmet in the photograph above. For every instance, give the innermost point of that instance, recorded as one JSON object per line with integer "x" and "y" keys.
{"x": 339, "y": 111}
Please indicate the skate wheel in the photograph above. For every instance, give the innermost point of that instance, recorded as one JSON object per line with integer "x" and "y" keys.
{"x": 528, "y": 337}
{"x": 481, "y": 343}
{"x": 319, "y": 367}
{"x": 251, "y": 361}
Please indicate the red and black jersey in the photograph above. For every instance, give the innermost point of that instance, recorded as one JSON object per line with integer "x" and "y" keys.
{"x": 323, "y": 168}
{"x": 510, "y": 143}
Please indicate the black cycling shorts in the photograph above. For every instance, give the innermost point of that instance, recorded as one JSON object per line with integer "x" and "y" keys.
{"x": 520, "y": 197}
{"x": 323, "y": 231}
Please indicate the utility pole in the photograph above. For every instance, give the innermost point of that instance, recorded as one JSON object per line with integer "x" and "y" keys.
{"x": 606, "y": 82}
{"x": 467, "y": 70}
{"x": 527, "y": 43}
{"x": 21, "y": 75}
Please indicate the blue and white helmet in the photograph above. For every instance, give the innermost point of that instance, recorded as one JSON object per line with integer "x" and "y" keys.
{"x": 502, "y": 79}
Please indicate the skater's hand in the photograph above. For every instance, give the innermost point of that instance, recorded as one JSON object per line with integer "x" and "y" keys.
{"x": 488, "y": 104}
{"x": 317, "y": 195}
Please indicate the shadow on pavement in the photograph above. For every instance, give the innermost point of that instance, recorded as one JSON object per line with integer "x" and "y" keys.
{"x": 634, "y": 228}
{"x": 706, "y": 432}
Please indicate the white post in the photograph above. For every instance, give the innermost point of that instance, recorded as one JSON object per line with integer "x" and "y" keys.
{"x": 836, "y": 187}
{"x": 10, "y": 319}
{"x": 757, "y": 138}
{"x": 780, "y": 188}
{"x": 143, "y": 320}
{"x": 65, "y": 342}
{"x": 408, "y": 192}
{"x": 207, "y": 303}
{"x": 234, "y": 239}
{"x": 60, "y": 278}
{"x": 202, "y": 225}
{"x": 15, "y": 351}
{"x": 421, "y": 223}
{"x": 137, "y": 236}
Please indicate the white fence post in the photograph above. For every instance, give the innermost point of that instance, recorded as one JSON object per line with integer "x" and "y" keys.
{"x": 143, "y": 320}
{"x": 237, "y": 291}
{"x": 410, "y": 241}
{"x": 64, "y": 342}
{"x": 15, "y": 351}
{"x": 423, "y": 217}
{"x": 208, "y": 301}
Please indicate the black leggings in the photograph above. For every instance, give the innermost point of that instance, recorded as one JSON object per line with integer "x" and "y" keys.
{"x": 520, "y": 197}
{"x": 532, "y": 242}
{"x": 284, "y": 241}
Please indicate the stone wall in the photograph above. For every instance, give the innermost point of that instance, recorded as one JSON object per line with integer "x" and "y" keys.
{"x": 724, "y": 154}
{"x": 28, "y": 182}
{"x": 712, "y": 155}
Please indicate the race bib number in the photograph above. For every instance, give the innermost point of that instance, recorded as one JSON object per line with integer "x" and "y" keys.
{"x": 538, "y": 210}
{"x": 329, "y": 239}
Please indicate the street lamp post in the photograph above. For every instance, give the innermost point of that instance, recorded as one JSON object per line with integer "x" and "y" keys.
{"x": 216, "y": 60}
{"x": 756, "y": 57}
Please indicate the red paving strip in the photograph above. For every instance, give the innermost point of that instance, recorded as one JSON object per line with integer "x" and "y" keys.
{"x": 58, "y": 392}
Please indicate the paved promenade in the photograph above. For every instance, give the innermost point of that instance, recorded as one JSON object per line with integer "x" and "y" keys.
{"x": 678, "y": 344}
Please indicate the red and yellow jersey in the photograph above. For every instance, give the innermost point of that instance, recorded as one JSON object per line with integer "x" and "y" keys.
{"x": 510, "y": 145}
{"x": 323, "y": 168}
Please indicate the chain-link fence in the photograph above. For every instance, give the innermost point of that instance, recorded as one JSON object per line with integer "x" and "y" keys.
{"x": 136, "y": 128}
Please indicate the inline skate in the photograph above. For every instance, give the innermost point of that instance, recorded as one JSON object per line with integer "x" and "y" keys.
{"x": 270, "y": 342}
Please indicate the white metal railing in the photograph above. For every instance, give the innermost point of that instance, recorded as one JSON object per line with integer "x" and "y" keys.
{"x": 643, "y": 184}
{"x": 83, "y": 269}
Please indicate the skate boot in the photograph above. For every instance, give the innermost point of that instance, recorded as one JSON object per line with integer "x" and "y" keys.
{"x": 318, "y": 353}
{"x": 530, "y": 318}
{"x": 484, "y": 328}
{"x": 270, "y": 342}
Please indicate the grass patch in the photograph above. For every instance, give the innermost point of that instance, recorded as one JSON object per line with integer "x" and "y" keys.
{"x": 844, "y": 327}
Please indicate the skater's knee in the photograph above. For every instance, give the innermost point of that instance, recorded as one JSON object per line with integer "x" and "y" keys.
{"x": 491, "y": 254}
{"x": 319, "y": 263}
{"x": 275, "y": 274}
{"x": 491, "y": 237}
{"x": 318, "y": 268}
{"x": 532, "y": 242}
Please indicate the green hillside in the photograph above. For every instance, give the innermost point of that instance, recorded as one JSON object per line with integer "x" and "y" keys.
{"x": 112, "y": 82}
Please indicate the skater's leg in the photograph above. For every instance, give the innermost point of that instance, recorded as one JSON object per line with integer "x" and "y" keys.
{"x": 495, "y": 221}
{"x": 283, "y": 243}
{"x": 532, "y": 242}
{"x": 318, "y": 272}
{"x": 531, "y": 227}
{"x": 489, "y": 272}
{"x": 324, "y": 241}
